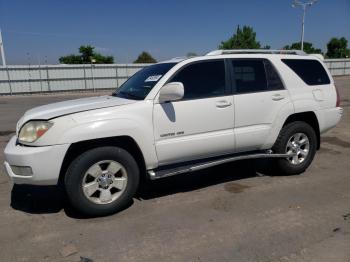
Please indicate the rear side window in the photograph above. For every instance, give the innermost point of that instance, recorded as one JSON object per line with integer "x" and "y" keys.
{"x": 310, "y": 71}
{"x": 249, "y": 76}
{"x": 202, "y": 79}
{"x": 273, "y": 79}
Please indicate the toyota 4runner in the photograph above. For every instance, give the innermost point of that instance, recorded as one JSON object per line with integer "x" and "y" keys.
{"x": 176, "y": 117}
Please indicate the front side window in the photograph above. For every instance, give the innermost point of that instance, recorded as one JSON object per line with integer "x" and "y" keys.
{"x": 310, "y": 71}
{"x": 202, "y": 79}
{"x": 141, "y": 83}
{"x": 249, "y": 76}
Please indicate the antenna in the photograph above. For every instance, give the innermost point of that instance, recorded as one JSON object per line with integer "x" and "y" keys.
{"x": 2, "y": 50}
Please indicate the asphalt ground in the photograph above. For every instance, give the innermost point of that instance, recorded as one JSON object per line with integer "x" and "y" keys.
{"x": 227, "y": 213}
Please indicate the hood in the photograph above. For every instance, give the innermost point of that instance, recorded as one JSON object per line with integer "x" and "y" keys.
{"x": 72, "y": 106}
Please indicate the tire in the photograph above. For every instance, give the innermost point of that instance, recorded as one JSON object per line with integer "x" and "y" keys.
{"x": 284, "y": 144}
{"x": 98, "y": 171}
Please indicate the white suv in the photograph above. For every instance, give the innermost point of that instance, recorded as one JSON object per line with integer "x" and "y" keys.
{"x": 175, "y": 117}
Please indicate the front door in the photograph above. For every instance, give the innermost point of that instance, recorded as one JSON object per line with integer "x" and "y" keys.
{"x": 201, "y": 124}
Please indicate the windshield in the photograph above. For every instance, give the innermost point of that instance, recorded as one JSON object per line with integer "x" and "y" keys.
{"x": 141, "y": 83}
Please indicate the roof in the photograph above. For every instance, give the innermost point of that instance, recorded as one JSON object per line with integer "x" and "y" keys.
{"x": 263, "y": 52}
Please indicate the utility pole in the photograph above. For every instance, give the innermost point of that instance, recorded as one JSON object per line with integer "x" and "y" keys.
{"x": 2, "y": 50}
{"x": 303, "y": 5}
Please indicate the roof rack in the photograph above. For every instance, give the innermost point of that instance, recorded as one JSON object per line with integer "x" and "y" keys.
{"x": 179, "y": 58}
{"x": 256, "y": 51}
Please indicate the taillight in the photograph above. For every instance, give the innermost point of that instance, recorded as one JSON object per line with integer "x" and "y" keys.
{"x": 337, "y": 104}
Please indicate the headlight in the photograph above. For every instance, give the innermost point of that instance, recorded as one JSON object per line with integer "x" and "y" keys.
{"x": 32, "y": 130}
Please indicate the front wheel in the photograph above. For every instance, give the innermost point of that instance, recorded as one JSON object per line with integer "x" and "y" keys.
{"x": 298, "y": 139}
{"x": 102, "y": 181}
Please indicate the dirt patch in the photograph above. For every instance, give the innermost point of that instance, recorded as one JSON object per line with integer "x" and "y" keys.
{"x": 336, "y": 141}
{"x": 234, "y": 187}
{"x": 329, "y": 151}
{"x": 221, "y": 204}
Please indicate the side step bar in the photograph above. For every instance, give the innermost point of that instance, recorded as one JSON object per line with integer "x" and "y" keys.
{"x": 187, "y": 168}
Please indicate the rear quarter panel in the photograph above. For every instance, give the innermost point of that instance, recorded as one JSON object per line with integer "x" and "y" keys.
{"x": 315, "y": 98}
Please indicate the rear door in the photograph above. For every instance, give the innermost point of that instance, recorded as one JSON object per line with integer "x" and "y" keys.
{"x": 259, "y": 97}
{"x": 201, "y": 124}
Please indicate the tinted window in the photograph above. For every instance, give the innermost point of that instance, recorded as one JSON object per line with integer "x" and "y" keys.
{"x": 310, "y": 71}
{"x": 249, "y": 76}
{"x": 273, "y": 80}
{"x": 201, "y": 80}
{"x": 141, "y": 83}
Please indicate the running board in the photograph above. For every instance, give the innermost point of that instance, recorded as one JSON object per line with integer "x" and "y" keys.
{"x": 187, "y": 168}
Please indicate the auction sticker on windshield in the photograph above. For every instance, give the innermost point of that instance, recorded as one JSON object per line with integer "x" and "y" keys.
{"x": 154, "y": 78}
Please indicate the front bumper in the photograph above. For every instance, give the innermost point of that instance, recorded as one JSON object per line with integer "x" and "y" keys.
{"x": 44, "y": 161}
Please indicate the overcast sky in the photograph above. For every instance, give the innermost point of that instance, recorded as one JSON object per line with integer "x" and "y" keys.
{"x": 39, "y": 30}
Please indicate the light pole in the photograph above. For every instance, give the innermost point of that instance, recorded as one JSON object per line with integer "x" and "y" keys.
{"x": 303, "y": 5}
{"x": 2, "y": 50}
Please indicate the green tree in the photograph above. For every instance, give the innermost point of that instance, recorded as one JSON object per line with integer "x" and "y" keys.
{"x": 308, "y": 48}
{"x": 244, "y": 38}
{"x": 101, "y": 59}
{"x": 337, "y": 48}
{"x": 70, "y": 59}
{"x": 87, "y": 54}
{"x": 145, "y": 57}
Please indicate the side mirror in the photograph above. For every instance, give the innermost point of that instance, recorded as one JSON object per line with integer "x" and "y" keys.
{"x": 171, "y": 92}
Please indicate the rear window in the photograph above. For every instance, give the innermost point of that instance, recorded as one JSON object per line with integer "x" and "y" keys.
{"x": 310, "y": 71}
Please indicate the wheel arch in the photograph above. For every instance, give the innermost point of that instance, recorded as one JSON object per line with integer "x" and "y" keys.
{"x": 307, "y": 117}
{"x": 125, "y": 142}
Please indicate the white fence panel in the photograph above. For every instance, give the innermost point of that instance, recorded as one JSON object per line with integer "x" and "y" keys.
{"x": 338, "y": 67}
{"x": 51, "y": 78}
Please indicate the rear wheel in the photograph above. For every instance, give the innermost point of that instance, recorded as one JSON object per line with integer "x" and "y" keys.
{"x": 298, "y": 139}
{"x": 102, "y": 181}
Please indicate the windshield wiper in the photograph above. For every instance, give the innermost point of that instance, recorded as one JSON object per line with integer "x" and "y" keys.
{"x": 128, "y": 95}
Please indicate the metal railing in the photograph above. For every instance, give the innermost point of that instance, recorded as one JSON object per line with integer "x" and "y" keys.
{"x": 255, "y": 51}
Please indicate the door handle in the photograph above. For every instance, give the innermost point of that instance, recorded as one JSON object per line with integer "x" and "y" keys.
{"x": 277, "y": 97}
{"x": 223, "y": 104}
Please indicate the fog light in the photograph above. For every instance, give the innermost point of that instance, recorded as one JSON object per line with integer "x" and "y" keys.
{"x": 22, "y": 170}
